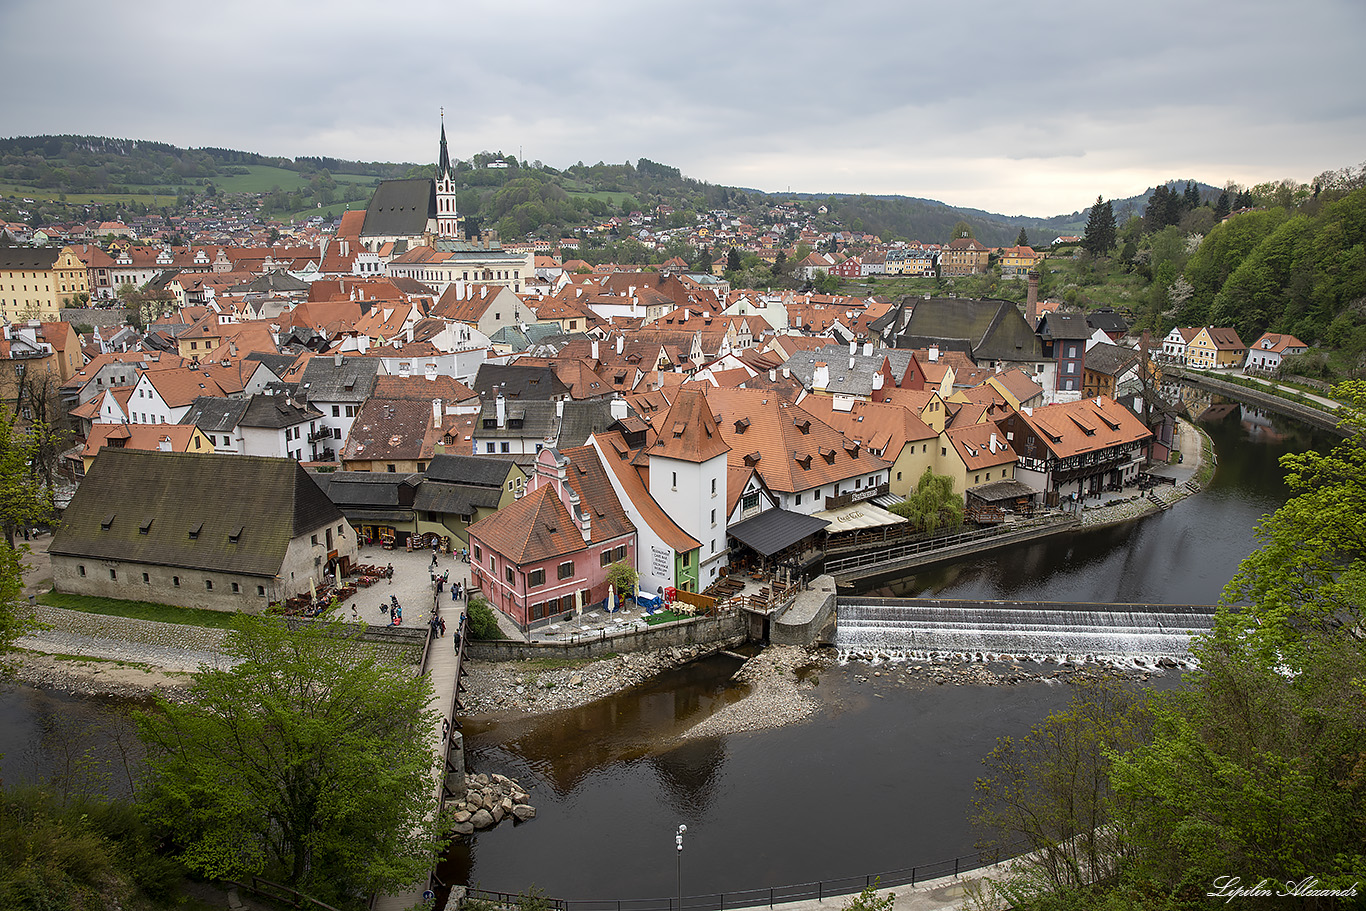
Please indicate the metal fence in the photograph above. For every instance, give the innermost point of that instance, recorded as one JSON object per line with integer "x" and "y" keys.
{"x": 771, "y": 896}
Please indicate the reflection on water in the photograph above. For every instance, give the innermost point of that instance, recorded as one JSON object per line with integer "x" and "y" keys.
{"x": 71, "y": 744}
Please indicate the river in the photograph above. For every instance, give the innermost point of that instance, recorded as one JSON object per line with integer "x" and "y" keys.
{"x": 880, "y": 777}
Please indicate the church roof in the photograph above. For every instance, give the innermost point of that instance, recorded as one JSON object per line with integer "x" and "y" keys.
{"x": 400, "y": 208}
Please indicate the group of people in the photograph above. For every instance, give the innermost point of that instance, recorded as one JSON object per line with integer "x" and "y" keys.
{"x": 395, "y": 611}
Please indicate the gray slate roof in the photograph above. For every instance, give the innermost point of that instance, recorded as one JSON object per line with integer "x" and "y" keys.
{"x": 1064, "y": 325}
{"x": 352, "y": 382}
{"x": 524, "y": 383}
{"x": 479, "y": 471}
{"x": 845, "y": 380}
{"x": 986, "y": 329}
{"x": 278, "y": 280}
{"x": 773, "y": 529}
{"x": 1110, "y": 359}
{"x": 348, "y": 489}
{"x": 215, "y": 415}
{"x": 246, "y": 509}
{"x": 539, "y": 421}
{"x": 400, "y": 208}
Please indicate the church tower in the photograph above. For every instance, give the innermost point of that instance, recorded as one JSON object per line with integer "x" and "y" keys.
{"x": 447, "y": 222}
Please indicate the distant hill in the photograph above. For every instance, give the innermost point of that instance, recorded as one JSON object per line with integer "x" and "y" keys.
{"x": 513, "y": 196}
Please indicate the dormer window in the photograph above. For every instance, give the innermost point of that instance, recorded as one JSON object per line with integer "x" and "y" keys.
{"x": 107, "y": 522}
{"x": 827, "y": 454}
{"x": 742, "y": 425}
{"x": 195, "y": 530}
{"x": 235, "y": 536}
{"x": 145, "y": 527}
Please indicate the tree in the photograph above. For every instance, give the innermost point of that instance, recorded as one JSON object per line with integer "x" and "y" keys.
{"x": 1100, "y": 229}
{"x": 306, "y": 759}
{"x": 1022, "y": 239}
{"x": 704, "y": 260}
{"x": 24, "y": 500}
{"x": 1309, "y": 574}
{"x": 1222, "y": 207}
{"x": 1049, "y": 791}
{"x": 933, "y": 504}
{"x": 733, "y": 260}
{"x": 622, "y": 576}
{"x": 483, "y": 622}
{"x": 960, "y": 230}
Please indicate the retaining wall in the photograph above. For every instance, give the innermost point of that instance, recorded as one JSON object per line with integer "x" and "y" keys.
{"x": 728, "y": 627}
{"x": 802, "y": 622}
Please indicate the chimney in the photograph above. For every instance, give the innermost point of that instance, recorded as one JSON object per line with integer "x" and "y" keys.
{"x": 621, "y": 341}
{"x": 787, "y": 372}
{"x": 559, "y": 408}
{"x": 934, "y": 354}
{"x": 820, "y": 377}
{"x": 853, "y": 349}
{"x": 878, "y": 381}
{"x": 501, "y": 409}
{"x": 993, "y": 443}
{"x": 772, "y": 375}
{"x": 595, "y": 349}
{"x": 337, "y": 359}
{"x": 436, "y": 412}
{"x": 164, "y": 444}
{"x": 618, "y": 408}
{"x": 1032, "y": 299}
{"x": 867, "y": 349}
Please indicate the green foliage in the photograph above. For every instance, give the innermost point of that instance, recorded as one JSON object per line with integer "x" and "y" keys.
{"x": 622, "y": 576}
{"x": 869, "y": 900}
{"x": 305, "y": 760}
{"x": 24, "y": 499}
{"x": 1251, "y": 773}
{"x": 932, "y": 505}
{"x": 1049, "y": 791}
{"x": 483, "y": 622}
{"x": 1309, "y": 574}
{"x": 1099, "y": 238}
{"x": 78, "y": 854}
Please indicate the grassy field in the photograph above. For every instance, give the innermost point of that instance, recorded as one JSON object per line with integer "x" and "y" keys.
{"x": 140, "y": 610}
{"x": 262, "y": 179}
{"x": 612, "y": 199}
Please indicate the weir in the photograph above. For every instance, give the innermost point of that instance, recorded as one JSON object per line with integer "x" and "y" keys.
{"x": 917, "y": 627}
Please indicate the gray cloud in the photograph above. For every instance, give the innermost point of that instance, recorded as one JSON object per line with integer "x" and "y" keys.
{"x": 1004, "y": 106}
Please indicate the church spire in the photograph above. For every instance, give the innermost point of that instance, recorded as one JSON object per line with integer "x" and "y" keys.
{"x": 443, "y": 165}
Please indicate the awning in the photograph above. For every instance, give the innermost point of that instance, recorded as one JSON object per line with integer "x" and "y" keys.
{"x": 888, "y": 500}
{"x": 774, "y": 529}
{"x": 858, "y": 515}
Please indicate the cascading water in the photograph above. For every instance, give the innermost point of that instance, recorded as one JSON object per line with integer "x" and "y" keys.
{"x": 917, "y": 628}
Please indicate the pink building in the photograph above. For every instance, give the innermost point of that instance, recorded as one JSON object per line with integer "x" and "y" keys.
{"x": 547, "y": 554}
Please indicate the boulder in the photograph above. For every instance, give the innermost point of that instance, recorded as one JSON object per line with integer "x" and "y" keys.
{"x": 482, "y": 819}
{"x": 524, "y": 811}
{"x": 463, "y": 828}
{"x": 462, "y": 815}
{"x": 505, "y": 804}
{"x": 498, "y": 815}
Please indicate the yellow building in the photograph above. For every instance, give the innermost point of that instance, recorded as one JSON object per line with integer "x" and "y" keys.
{"x": 1215, "y": 346}
{"x": 70, "y": 278}
{"x": 26, "y": 284}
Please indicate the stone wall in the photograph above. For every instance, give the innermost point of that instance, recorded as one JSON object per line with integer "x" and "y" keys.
{"x": 802, "y": 622}
{"x": 727, "y": 627}
{"x": 161, "y": 585}
{"x": 111, "y": 316}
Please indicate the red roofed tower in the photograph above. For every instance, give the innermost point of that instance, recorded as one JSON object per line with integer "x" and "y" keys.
{"x": 688, "y": 476}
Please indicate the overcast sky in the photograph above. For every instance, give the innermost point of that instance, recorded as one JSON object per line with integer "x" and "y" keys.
{"x": 1016, "y": 108}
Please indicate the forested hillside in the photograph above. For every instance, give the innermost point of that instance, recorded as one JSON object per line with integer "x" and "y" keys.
{"x": 1300, "y": 270}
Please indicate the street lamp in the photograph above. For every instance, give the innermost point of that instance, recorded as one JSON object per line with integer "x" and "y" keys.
{"x": 678, "y": 840}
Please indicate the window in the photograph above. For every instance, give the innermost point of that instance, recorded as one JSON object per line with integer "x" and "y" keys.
{"x": 507, "y": 571}
{"x": 389, "y": 468}
{"x": 713, "y": 545}
{"x": 175, "y": 580}
{"x": 80, "y": 570}
{"x": 505, "y": 447}
{"x": 713, "y": 487}
{"x": 898, "y": 476}
{"x": 261, "y": 590}
{"x": 687, "y": 558}
{"x": 713, "y": 517}
{"x": 314, "y": 540}
{"x": 607, "y": 557}
{"x": 208, "y": 585}
{"x": 675, "y": 480}
{"x": 799, "y": 499}
{"x": 478, "y": 555}
{"x": 566, "y": 570}
{"x": 620, "y": 552}
{"x": 943, "y": 451}
{"x": 236, "y": 588}
{"x": 336, "y": 411}
{"x": 536, "y": 578}
{"x": 336, "y": 433}
{"x": 146, "y": 578}
{"x": 350, "y": 411}
{"x": 113, "y": 574}
{"x": 488, "y": 447}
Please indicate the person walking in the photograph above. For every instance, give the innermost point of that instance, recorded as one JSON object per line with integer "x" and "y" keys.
{"x": 389, "y": 572}
{"x": 441, "y": 622}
